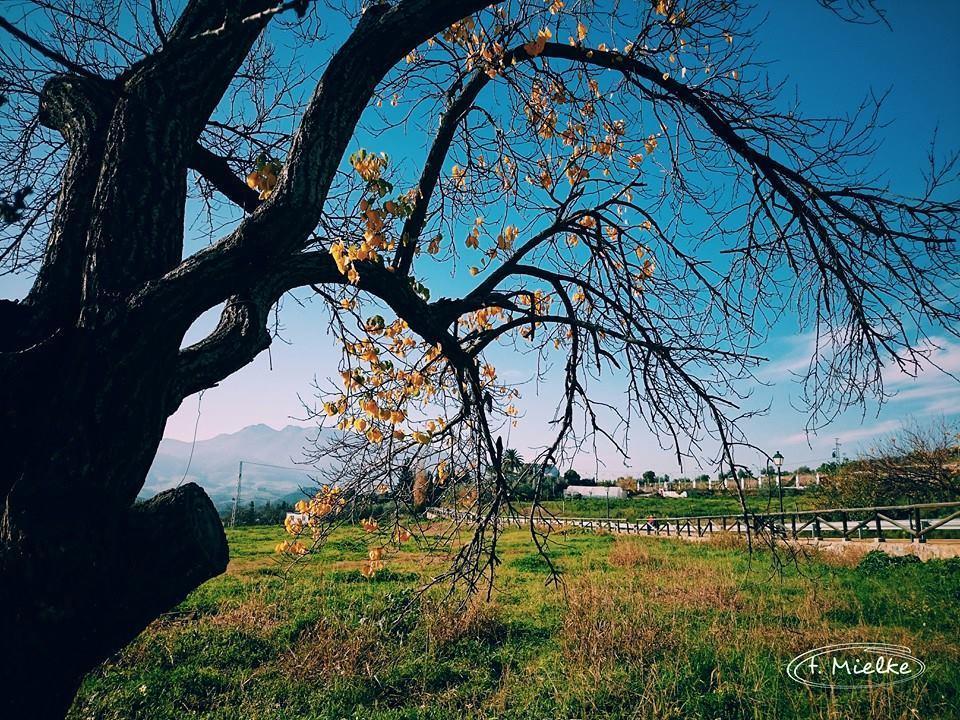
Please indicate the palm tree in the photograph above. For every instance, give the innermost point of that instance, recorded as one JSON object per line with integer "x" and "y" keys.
{"x": 512, "y": 461}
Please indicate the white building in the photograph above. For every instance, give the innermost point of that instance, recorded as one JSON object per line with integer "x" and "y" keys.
{"x": 614, "y": 492}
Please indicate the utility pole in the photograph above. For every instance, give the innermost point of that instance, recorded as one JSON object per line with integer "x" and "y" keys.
{"x": 236, "y": 498}
{"x": 778, "y": 461}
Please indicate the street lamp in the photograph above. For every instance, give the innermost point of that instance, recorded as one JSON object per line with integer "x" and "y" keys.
{"x": 778, "y": 461}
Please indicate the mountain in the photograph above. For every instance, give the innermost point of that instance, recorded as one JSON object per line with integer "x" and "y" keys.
{"x": 215, "y": 463}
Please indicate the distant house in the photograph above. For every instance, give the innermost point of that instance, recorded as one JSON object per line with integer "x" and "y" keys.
{"x": 612, "y": 491}
{"x": 671, "y": 493}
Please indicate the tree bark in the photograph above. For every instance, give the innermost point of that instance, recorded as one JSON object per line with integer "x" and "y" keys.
{"x": 60, "y": 619}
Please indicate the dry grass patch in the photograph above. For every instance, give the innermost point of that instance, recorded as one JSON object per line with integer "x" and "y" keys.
{"x": 331, "y": 649}
{"x": 728, "y": 541}
{"x": 630, "y": 553}
{"x": 255, "y": 615}
{"x": 691, "y": 587}
{"x": 839, "y": 554}
{"x": 606, "y": 625}
{"x": 448, "y": 622}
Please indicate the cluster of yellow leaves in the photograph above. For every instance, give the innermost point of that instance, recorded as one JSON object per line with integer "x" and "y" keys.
{"x": 263, "y": 178}
{"x": 666, "y": 8}
{"x": 374, "y": 563}
{"x": 380, "y": 393}
{"x": 612, "y": 141}
{"x": 538, "y": 301}
{"x": 536, "y": 47}
{"x": 540, "y": 113}
{"x": 492, "y": 55}
{"x": 291, "y": 547}
{"x": 576, "y": 172}
{"x": 312, "y": 513}
{"x": 343, "y": 256}
{"x": 461, "y": 32}
{"x": 506, "y": 239}
{"x": 369, "y": 166}
{"x": 482, "y": 319}
{"x": 473, "y": 238}
{"x": 370, "y": 524}
{"x": 310, "y": 516}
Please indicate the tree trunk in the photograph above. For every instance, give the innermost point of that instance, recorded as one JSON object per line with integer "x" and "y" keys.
{"x": 82, "y": 568}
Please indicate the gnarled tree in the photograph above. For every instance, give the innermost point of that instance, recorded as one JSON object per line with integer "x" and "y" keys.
{"x": 636, "y": 201}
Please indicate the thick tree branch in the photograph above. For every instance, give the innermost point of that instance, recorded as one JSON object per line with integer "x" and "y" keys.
{"x": 79, "y": 109}
{"x": 152, "y": 127}
{"x": 216, "y": 171}
{"x": 282, "y": 225}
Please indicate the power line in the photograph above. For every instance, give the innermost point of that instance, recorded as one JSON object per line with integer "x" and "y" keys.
{"x": 236, "y": 497}
{"x": 278, "y": 467}
{"x": 193, "y": 445}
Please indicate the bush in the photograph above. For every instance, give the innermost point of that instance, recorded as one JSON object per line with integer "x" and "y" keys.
{"x": 877, "y": 561}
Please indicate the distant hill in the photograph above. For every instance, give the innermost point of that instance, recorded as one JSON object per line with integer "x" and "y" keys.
{"x": 215, "y": 462}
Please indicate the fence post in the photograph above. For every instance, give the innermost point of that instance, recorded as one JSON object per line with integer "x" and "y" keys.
{"x": 843, "y": 515}
{"x": 879, "y": 527}
{"x": 793, "y": 525}
{"x": 916, "y": 518}
{"x": 816, "y": 527}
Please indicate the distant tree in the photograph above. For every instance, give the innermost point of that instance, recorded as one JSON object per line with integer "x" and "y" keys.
{"x": 628, "y": 484}
{"x": 571, "y": 477}
{"x": 917, "y": 464}
{"x": 649, "y": 477}
{"x": 422, "y": 489}
{"x": 405, "y": 479}
{"x": 829, "y": 468}
{"x": 512, "y": 461}
{"x": 804, "y": 470}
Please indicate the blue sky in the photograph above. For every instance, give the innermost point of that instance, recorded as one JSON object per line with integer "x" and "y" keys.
{"x": 831, "y": 65}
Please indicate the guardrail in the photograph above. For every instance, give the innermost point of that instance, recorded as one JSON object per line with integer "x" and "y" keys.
{"x": 917, "y": 522}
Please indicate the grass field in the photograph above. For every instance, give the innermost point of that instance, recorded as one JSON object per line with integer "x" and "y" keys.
{"x": 718, "y": 504}
{"x": 644, "y": 628}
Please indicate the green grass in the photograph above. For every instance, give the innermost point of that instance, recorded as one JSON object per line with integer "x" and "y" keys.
{"x": 643, "y": 628}
{"x": 642, "y": 507}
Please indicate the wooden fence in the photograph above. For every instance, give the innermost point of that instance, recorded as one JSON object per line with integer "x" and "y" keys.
{"x": 916, "y": 522}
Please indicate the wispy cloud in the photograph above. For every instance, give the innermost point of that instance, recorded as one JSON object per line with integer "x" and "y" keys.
{"x": 797, "y": 351}
{"x": 934, "y": 389}
{"x": 850, "y": 436}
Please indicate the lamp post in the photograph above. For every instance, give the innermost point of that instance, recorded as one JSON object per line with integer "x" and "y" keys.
{"x": 778, "y": 461}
